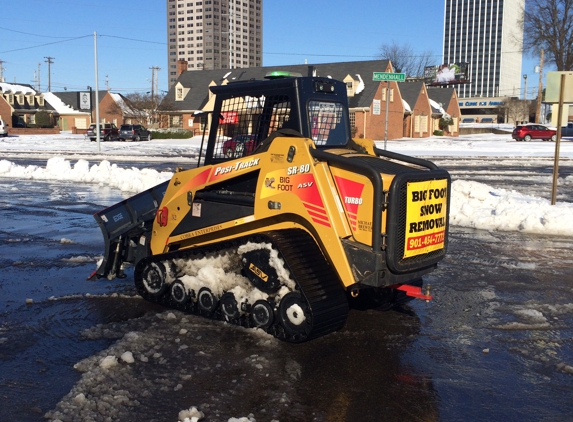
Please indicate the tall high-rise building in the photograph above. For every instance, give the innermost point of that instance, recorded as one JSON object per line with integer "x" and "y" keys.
{"x": 487, "y": 35}
{"x": 214, "y": 34}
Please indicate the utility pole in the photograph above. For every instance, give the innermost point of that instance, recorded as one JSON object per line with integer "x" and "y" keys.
{"x": 49, "y": 61}
{"x": 154, "y": 89}
{"x": 154, "y": 81}
{"x": 39, "y": 82}
{"x": 540, "y": 90}
{"x": 2, "y": 70}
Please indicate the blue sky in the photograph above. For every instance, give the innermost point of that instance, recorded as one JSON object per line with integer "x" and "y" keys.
{"x": 132, "y": 37}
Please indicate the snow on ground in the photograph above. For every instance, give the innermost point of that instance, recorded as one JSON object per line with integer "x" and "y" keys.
{"x": 473, "y": 204}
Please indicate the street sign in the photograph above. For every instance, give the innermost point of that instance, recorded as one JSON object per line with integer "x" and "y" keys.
{"x": 390, "y": 77}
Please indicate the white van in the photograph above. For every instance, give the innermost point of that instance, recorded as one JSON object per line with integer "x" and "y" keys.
{"x": 3, "y": 128}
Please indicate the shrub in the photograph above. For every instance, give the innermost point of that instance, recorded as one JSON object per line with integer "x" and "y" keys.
{"x": 445, "y": 122}
{"x": 43, "y": 119}
{"x": 171, "y": 134}
{"x": 439, "y": 132}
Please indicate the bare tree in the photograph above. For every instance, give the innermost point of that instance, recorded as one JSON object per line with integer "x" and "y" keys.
{"x": 516, "y": 110}
{"x": 405, "y": 59}
{"x": 548, "y": 25}
{"x": 144, "y": 106}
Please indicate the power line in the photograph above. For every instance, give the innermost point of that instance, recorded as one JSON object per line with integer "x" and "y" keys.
{"x": 42, "y": 45}
{"x": 133, "y": 39}
{"x": 29, "y": 33}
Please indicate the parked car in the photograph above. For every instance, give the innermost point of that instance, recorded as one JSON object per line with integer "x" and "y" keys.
{"x": 529, "y": 132}
{"x": 107, "y": 132}
{"x": 239, "y": 146}
{"x": 134, "y": 133}
{"x": 3, "y": 128}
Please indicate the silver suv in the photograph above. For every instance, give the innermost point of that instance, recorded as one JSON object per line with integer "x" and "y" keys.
{"x": 3, "y": 128}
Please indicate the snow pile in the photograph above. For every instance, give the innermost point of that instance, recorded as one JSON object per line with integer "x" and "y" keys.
{"x": 480, "y": 206}
{"x": 106, "y": 174}
{"x": 473, "y": 204}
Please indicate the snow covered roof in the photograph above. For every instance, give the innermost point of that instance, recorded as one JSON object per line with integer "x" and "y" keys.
{"x": 437, "y": 106}
{"x": 406, "y": 106}
{"x": 59, "y": 105}
{"x": 125, "y": 108}
{"x": 360, "y": 86}
{"x": 13, "y": 88}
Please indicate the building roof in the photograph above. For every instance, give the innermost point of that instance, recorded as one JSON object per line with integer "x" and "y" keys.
{"x": 442, "y": 96}
{"x": 197, "y": 82}
{"x": 59, "y": 105}
{"x": 72, "y": 99}
{"x": 123, "y": 104}
{"x": 410, "y": 91}
{"x": 14, "y": 88}
{"x": 22, "y": 89}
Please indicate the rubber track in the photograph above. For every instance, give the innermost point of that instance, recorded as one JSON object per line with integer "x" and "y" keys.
{"x": 315, "y": 278}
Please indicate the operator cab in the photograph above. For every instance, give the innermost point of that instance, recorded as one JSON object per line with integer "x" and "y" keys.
{"x": 248, "y": 115}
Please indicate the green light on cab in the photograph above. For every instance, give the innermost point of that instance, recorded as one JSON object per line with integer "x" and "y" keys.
{"x": 276, "y": 74}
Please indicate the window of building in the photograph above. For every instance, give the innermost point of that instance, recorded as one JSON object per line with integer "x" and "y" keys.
{"x": 176, "y": 121}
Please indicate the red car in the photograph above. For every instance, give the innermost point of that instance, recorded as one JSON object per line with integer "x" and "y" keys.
{"x": 529, "y": 132}
{"x": 239, "y": 146}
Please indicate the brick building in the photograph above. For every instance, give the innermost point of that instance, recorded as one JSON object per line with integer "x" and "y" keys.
{"x": 188, "y": 102}
{"x": 19, "y": 104}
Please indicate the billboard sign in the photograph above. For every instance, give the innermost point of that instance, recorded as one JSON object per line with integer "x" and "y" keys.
{"x": 447, "y": 74}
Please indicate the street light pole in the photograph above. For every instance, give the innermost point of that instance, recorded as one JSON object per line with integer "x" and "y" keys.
{"x": 540, "y": 90}
{"x": 96, "y": 93}
{"x": 91, "y": 105}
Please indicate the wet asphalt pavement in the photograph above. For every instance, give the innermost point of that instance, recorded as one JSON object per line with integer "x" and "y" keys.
{"x": 496, "y": 343}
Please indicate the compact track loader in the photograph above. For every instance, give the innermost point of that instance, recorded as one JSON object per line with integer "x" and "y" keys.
{"x": 286, "y": 218}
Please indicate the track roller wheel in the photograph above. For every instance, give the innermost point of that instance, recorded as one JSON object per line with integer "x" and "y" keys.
{"x": 179, "y": 292}
{"x": 257, "y": 269}
{"x": 229, "y": 305}
{"x": 262, "y": 314}
{"x": 294, "y": 315}
{"x": 154, "y": 279}
{"x": 206, "y": 300}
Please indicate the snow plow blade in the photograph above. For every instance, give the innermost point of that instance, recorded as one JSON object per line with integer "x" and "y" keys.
{"x": 126, "y": 227}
